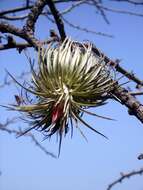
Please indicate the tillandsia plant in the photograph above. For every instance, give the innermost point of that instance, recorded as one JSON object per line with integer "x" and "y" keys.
{"x": 70, "y": 79}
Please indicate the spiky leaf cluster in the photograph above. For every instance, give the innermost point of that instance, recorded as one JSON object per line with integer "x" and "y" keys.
{"x": 70, "y": 79}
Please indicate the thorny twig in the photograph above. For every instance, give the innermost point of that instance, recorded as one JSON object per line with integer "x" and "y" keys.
{"x": 125, "y": 176}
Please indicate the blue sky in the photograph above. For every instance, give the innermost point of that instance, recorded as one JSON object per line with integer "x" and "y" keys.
{"x": 81, "y": 165}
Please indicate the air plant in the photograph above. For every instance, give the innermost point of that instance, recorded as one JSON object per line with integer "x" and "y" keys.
{"x": 69, "y": 80}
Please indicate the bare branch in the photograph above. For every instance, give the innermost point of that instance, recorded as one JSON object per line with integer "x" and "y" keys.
{"x": 134, "y": 106}
{"x": 73, "y": 6}
{"x": 24, "y": 16}
{"x": 130, "y": 1}
{"x": 8, "y": 81}
{"x": 68, "y": 1}
{"x": 77, "y": 27}
{"x": 57, "y": 18}
{"x": 35, "y": 12}
{"x": 125, "y": 176}
{"x": 18, "y": 46}
{"x": 12, "y": 18}
{"x": 102, "y": 7}
{"x": 129, "y": 75}
{"x": 3, "y": 127}
{"x": 18, "y": 9}
{"x": 121, "y": 11}
{"x": 118, "y": 68}
{"x": 138, "y": 93}
{"x": 101, "y": 11}
{"x": 7, "y": 28}
{"x": 86, "y": 30}
{"x": 21, "y": 46}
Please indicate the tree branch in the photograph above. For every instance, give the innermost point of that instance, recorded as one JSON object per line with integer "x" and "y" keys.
{"x": 35, "y": 12}
{"x": 118, "y": 68}
{"x": 7, "y": 28}
{"x": 129, "y": 1}
{"x": 125, "y": 176}
{"x": 134, "y": 106}
{"x": 137, "y": 93}
{"x": 18, "y": 9}
{"x": 86, "y": 30}
{"x": 13, "y": 18}
{"x": 129, "y": 75}
{"x": 19, "y": 46}
{"x": 121, "y": 11}
{"x": 57, "y": 18}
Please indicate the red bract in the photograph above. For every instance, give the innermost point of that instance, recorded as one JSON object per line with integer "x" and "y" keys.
{"x": 57, "y": 113}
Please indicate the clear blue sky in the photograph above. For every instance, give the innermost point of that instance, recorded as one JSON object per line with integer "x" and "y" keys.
{"x": 81, "y": 165}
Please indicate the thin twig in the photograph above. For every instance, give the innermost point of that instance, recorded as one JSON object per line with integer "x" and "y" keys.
{"x": 130, "y": 1}
{"x": 121, "y": 11}
{"x": 73, "y": 6}
{"x": 3, "y": 127}
{"x": 8, "y": 82}
{"x": 12, "y": 18}
{"x": 125, "y": 176}
{"x": 136, "y": 93}
{"x": 18, "y": 9}
{"x": 101, "y": 11}
{"x": 102, "y": 7}
{"x": 77, "y": 27}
